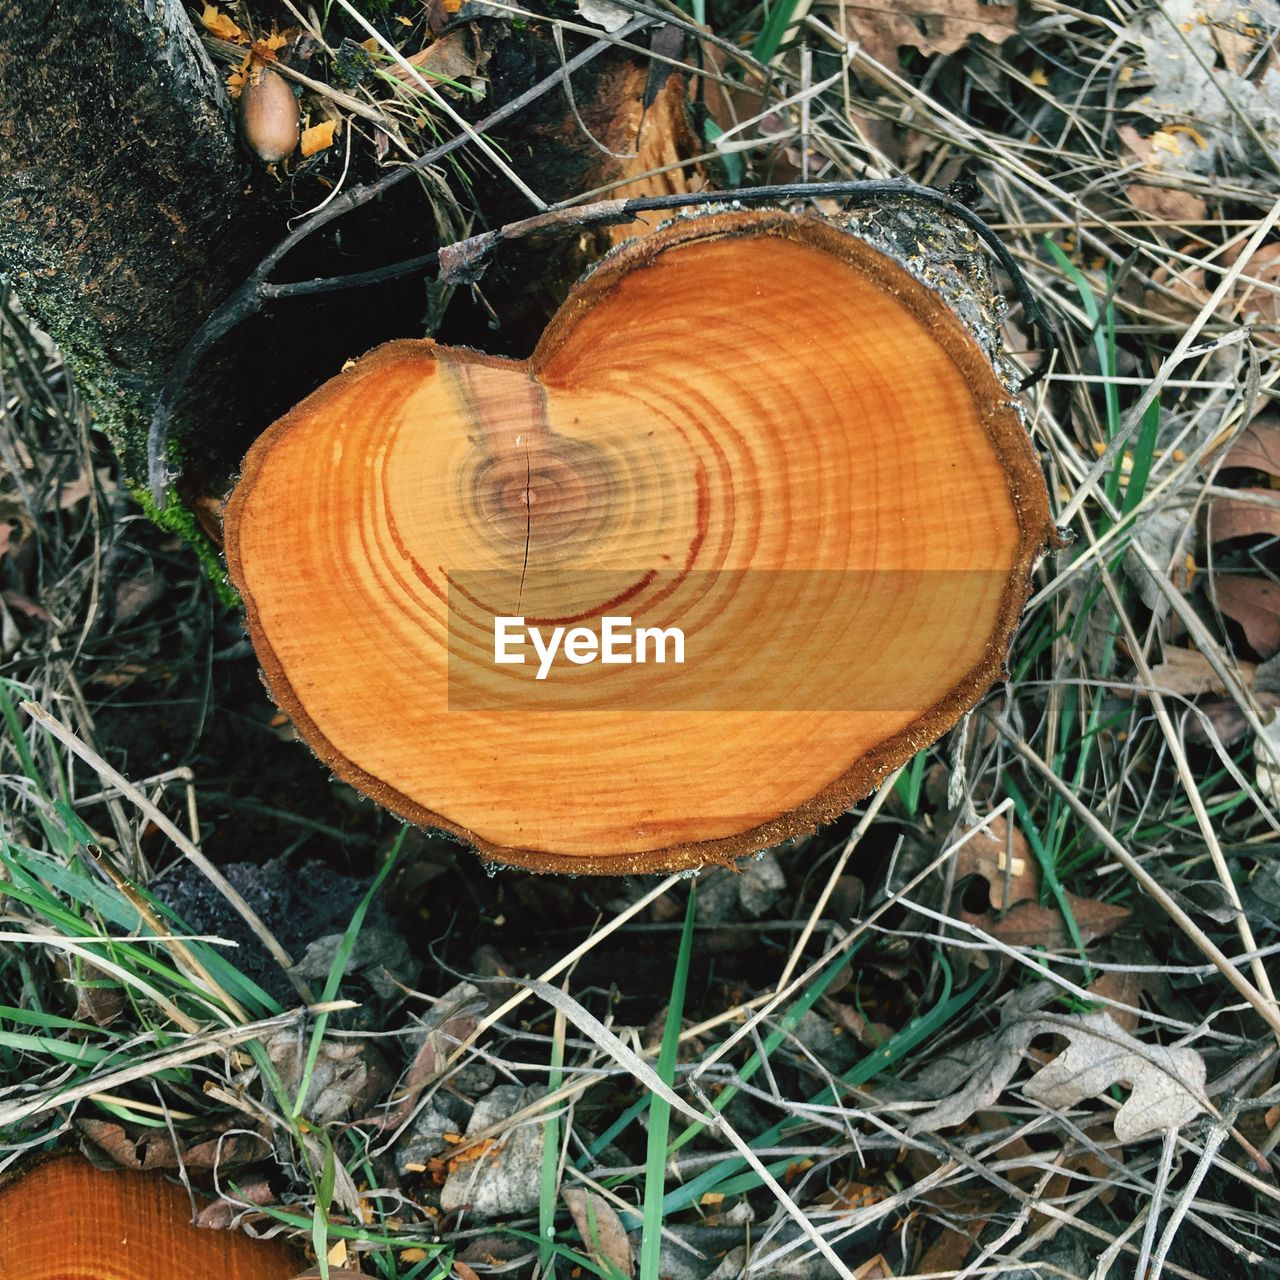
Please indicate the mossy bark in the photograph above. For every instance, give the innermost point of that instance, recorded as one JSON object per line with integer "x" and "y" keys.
{"x": 122, "y": 218}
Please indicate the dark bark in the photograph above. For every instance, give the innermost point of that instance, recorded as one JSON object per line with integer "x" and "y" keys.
{"x": 129, "y": 212}
{"x": 122, "y": 218}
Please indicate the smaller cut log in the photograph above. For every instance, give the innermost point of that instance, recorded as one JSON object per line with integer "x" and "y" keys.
{"x": 64, "y": 1218}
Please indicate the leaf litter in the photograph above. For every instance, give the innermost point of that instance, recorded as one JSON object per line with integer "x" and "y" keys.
{"x": 1166, "y": 1085}
{"x": 984, "y": 88}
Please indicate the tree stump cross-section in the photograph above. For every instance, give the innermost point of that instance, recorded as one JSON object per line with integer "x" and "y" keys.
{"x": 753, "y": 525}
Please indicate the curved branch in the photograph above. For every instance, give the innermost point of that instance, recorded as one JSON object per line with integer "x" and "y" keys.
{"x": 247, "y": 300}
{"x": 466, "y": 260}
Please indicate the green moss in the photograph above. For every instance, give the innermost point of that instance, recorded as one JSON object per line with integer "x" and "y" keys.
{"x": 176, "y": 517}
{"x": 122, "y": 412}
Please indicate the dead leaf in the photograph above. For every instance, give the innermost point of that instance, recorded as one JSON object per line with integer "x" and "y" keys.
{"x": 1124, "y": 987}
{"x": 216, "y": 23}
{"x": 219, "y": 1214}
{"x": 318, "y": 137}
{"x": 155, "y": 1150}
{"x": 1236, "y": 47}
{"x": 1255, "y": 604}
{"x": 1028, "y": 924}
{"x": 456, "y": 56}
{"x": 601, "y": 1230}
{"x": 1261, "y": 299}
{"x": 74, "y": 492}
{"x": 986, "y": 1065}
{"x": 1257, "y": 447}
{"x": 1001, "y": 856}
{"x": 123, "y": 676}
{"x": 870, "y": 1035}
{"x": 1189, "y": 673}
{"x": 1167, "y": 537}
{"x": 136, "y": 594}
{"x": 604, "y": 13}
{"x": 1197, "y": 897}
{"x": 932, "y": 26}
{"x": 1178, "y": 290}
{"x": 949, "y": 1252}
{"x": 452, "y": 1022}
{"x": 1226, "y": 720}
{"x": 1086, "y": 1167}
{"x": 1136, "y": 143}
{"x": 972, "y": 1076}
{"x": 1166, "y": 1084}
{"x": 1167, "y": 204}
{"x": 348, "y": 1075}
{"x": 99, "y": 999}
{"x": 27, "y": 607}
{"x": 1240, "y": 518}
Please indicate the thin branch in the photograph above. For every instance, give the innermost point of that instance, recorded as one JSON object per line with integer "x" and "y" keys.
{"x": 247, "y": 300}
{"x": 465, "y": 261}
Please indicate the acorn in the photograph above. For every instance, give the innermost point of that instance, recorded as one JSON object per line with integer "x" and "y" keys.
{"x": 269, "y": 119}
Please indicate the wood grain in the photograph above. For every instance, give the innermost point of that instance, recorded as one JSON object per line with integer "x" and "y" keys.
{"x": 66, "y": 1220}
{"x": 749, "y": 424}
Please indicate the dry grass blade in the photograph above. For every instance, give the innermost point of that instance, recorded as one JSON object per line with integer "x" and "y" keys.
{"x": 180, "y": 840}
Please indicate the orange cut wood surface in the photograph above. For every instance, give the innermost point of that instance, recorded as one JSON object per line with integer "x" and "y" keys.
{"x": 749, "y": 425}
{"x": 66, "y": 1220}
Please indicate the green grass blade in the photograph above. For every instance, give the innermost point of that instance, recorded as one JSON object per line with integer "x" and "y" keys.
{"x": 1048, "y": 869}
{"x": 1143, "y": 452}
{"x": 550, "y": 1158}
{"x": 721, "y": 1177}
{"x": 336, "y": 971}
{"x": 660, "y": 1109}
{"x": 775, "y": 27}
{"x": 785, "y": 1025}
{"x": 324, "y": 1198}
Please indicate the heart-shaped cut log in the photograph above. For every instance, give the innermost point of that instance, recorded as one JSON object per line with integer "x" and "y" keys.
{"x": 464, "y": 576}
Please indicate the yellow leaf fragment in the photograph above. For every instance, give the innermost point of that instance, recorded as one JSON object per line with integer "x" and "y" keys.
{"x": 370, "y": 45}
{"x": 216, "y": 23}
{"x": 318, "y": 137}
{"x": 1188, "y": 132}
{"x": 412, "y": 1255}
{"x": 337, "y": 1256}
